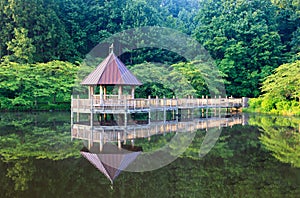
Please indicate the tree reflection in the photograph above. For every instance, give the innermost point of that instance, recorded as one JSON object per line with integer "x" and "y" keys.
{"x": 39, "y": 135}
{"x": 21, "y": 173}
{"x": 281, "y": 136}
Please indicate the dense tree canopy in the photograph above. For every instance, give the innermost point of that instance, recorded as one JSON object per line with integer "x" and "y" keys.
{"x": 247, "y": 39}
{"x": 243, "y": 37}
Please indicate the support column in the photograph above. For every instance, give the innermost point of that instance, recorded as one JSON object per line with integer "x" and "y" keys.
{"x": 220, "y": 106}
{"x": 119, "y": 140}
{"x": 104, "y": 90}
{"x": 215, "y": 110}
{"x": 91, "y": 91}
{"x": 149, "y": 113}
{"x": 132, "y": 92}
{"x": 206, "y": 106}
{"x": 72, "y": 116}
{"x": 101, "y": 94}
{"x": 120, "y": 92}
{"x": 164, "y": 108}
{"x": 125, "y": 115}
{"x": 101, "y": 141}
{"x": 77, "y": 114}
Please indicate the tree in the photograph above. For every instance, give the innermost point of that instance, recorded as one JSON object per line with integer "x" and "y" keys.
{"x": 243, "y": 38}
{"x": 39, "y": 18}
{"x": 284, "y": 83}
{"x": 23, "y": 86}
{"x": 281, "y": 93}
{"x": 21, "y": 46}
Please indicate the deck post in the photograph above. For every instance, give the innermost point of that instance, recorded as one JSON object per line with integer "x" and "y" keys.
{"x": 149, "y": 112}
{"x": 177, "y": 115}
{"x": 125, "y": 115}
{"x": 119, "y": 140}
{"x": 72, "y": 115}
{"x": 132, "y": 92}
{"x": 92, "y": 114}
{"x": 219, "y": 106}
{"x": 164, "y": 108}
{"x": 226, "y": 103}
{"x": 206, "y": 105}
{"x": 120, "y": 92}
{"x": 244, "y": 102}
{"x": 77, "y": 115}
{"x": 101, "y": 94}
{"x": 104, "y": 92}
{"x": 101, "y": 141}
{"x": 173, "y": 110}
{"x": 215, "y": 109}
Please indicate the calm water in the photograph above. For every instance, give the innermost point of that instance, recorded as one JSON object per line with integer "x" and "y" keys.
{"x": 260, "y": 159}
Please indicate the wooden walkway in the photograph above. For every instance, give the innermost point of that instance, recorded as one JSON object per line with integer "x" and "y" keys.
{"x": 112, "y": 105}
{"x": 102, "y": 134}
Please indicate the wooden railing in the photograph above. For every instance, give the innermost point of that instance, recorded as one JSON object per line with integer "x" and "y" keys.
{"x": 113, "y": 103}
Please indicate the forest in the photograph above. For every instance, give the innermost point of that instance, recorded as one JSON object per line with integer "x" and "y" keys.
{"x": 255, "y": 44}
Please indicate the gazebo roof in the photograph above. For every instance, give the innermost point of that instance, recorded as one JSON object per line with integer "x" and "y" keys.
{"x": 112, "y": 161}
{"x": 111, "y": 71}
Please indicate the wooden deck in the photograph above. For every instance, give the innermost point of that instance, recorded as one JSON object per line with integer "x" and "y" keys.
{"x": 114, "y": 105}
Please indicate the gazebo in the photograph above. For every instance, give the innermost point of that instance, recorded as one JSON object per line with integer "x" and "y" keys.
{"x": 111, "y": 72}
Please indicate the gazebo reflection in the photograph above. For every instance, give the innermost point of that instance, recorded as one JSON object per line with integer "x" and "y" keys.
{"x": 111, "y": 161}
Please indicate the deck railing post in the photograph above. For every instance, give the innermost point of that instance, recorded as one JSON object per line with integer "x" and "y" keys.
{"x": 149, "y": 112}
{"x": 226, "y": 101}
{"x": 92, "y": 113}
{"x": 126, "y": 111}
{"x": 72, "y": 113}
{"x": 149, "y": 102}
{"x": 164, "y": 108}
{"x": 215, "y": 105}
{"x": 206, "y": 105}
{"x": 77, "y": 115}
{"x": 220, "y": 106}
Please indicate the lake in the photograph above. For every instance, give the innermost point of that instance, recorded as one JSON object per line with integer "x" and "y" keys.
{"x": 258, "y": 157}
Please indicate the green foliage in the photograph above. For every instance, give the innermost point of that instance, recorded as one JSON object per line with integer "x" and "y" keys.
{"x": 202, "y": 77}
{"x": 161, "y": 79}
{"x": 243, "y": 38}
{"x": 255, "y": 103}
{"x": 195, "y": 78}
{"x": 281, "y": 91}
{"x": 25, "y": 86}
{"x": 248, "y": 39}
{"x": 21, "y": 46}
{"x": 284, "y": 83}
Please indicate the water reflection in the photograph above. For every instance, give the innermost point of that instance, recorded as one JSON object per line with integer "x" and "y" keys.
{"x": 107, "y": 146}
{"x": 129, "y": 133}
{"x": 280, "y": 135}
{"x": 38, "y": 159}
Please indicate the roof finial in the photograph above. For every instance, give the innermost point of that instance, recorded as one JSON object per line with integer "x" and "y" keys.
{"x": 111, "y": 48}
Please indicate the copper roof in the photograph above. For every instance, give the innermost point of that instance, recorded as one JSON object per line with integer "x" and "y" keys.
{"x": 111, "y": 71}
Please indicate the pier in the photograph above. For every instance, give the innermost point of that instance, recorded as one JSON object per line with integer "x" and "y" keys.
{"x": 100, "y": 115}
